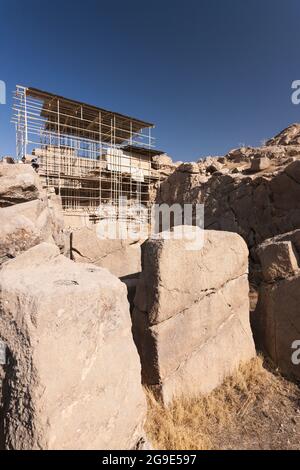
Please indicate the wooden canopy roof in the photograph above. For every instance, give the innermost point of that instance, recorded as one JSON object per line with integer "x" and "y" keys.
{"x": 77, "y": 118}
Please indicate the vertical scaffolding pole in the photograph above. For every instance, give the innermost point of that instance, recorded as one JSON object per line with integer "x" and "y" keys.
{"x": 25, "y": 121}
{"x": 59, "y": 149}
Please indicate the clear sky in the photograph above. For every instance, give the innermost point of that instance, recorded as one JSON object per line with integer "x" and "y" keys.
{"x": 211, "y": 74}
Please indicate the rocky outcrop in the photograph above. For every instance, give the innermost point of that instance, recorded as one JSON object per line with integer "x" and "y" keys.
{"x": 26, "y": 224}
{"x": 277, "y": 318}
{"x": 191, "y": 316}
{"x": 18, "y": 184}
{"x": 122, "y": 257}
{"x": 252, "y": 191}
{"x": 164, "y": 164}
{"x": 73, "y": 373}
{"x": 289, "y": 136}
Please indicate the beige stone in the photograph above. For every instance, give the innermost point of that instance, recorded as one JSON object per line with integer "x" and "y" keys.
{"x": 120, "y": 257}
{"x": 191, "y": 316}
{"x": 260, "y": 163}
{"x": 278, "y": 322}
{"x": 179, "y": 276}
{"x": 278, "y": 259}
{"x": 277, "y": 315}
{"x": 18, "y": 184}
{"x": 73, "y": 380}
{"x": 27, "y": 224}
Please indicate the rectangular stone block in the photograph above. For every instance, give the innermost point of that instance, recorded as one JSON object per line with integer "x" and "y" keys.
{"x": 191, "y": 317}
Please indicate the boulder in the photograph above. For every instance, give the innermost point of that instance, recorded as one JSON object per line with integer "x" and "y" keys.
{"x": 277, "y": 315}
{"x": 260, "y": 163}
{"x": 191, "y": 315}
{"x": 18, "y": 184}
{"x": 28, "y": 224}
{"x": 277, "y": 322}
{"x": 162, "y": 159}
{"x": 54, "y": 204}
{"x": 189, "y": 168}
{"x": 120, "y": 257}
{"x": 73, "y": 374}
{"x": 278, "y": 259}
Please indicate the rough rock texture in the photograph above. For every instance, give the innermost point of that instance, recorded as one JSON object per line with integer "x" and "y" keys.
{"x": 289, "y": 136}
{"x": 260, "y": 163}
{"x": 257, "y": 202}
{"x": 163, "y": 159}
{"x": 191, "y": 316}
{"x": 120, "y": 257}
{"x": 26, "y": 225}
{"x": 28, "y": 214}
{"x": 18, "y": 183}
{"x": 73, "y": 380}
{"x": 278, "y": 258}
{"x": 54, "y": 205}
{"x": 277, "y": 316}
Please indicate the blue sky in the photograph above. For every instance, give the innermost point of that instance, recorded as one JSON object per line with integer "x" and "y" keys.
{"x": 211, "y": 74}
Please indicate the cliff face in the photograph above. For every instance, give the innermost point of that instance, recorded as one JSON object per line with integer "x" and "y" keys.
{"x": 252, "y": 191}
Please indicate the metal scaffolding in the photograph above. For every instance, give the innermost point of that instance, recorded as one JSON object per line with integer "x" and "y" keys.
{"x": 94, "y": 158}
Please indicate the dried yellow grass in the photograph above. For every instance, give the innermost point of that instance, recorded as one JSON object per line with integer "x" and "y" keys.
{"x": 193, "y": 424}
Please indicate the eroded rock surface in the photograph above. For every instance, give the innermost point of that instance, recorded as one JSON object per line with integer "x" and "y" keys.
{"x": 29, "y": 215}
{"x": 73, "y": 380}
{"x": 252, "y": 191}
{"x": 277, "y": 316}
{"x": 120, "y": 257}
{"x": 18, "y": 183}
{"x": 191, "y": 316}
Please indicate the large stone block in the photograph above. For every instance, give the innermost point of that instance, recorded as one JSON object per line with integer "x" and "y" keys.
{"x": 18, "y": 183}
{"x": 191, "y": 316}
{"x": 260, "y": 163}
{"x": 73, "y": 378}
{"x": 277, "y": 315}
{"x": 180, "y": 277}
{"x": 278, "y": 322}
{"x": 28, "y": 224}
{"x": 278, "y": 259}
{"x": 120, "y": 257}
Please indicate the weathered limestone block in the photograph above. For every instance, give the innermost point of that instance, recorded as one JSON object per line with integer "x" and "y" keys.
{"x": 191, "y": 316}
{"x": 277, "y": 315}
{"x": 57, "y": 218}
{"x": 19, "y": 183}
{"x": 278, "y": 259}
{"x": 120, "y": 257}
{"x": 73, "y": 380}
{"x": 260, "y": 163}
{"x": 278, "y": 322}
{"x": 28, "y": 214}
{"x": 26, "y": 225}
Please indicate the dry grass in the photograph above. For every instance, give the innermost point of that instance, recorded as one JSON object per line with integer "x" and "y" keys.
{"x": 218, "y": 419}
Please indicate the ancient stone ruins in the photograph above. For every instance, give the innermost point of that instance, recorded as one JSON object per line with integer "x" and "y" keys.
{"x": 87, "y": 323}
